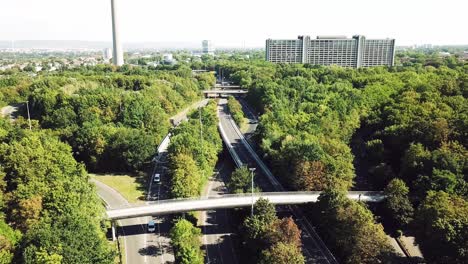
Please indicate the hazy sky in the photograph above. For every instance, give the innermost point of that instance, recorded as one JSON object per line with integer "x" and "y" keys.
{"x": 233, "y": 22}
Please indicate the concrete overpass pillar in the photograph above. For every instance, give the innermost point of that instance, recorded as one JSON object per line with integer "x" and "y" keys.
{"x": 113, "y": 231}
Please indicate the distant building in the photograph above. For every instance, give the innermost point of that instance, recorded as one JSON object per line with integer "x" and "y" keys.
{"x": 107, "y": 55}
{"x": 208, "y": 47}
{"x": 332, "y": 50}
{"x": 444, "y": 54}
{"x": 168, "y": 59}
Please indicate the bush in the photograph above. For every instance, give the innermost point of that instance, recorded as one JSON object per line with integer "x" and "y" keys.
{"x": 185, "y": 239}
{"x": 235, "y": 109}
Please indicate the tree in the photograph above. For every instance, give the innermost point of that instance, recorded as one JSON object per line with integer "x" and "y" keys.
{"x": 240, "y": 181}
{"x": 442, "y": 223}
{"x": 186, "y": 241}
{"x": 235, "y": 108}
{"x": 28, "y": 212}
{"x": 310, "y": 176}
{"x": 45, "y": 182}
{"x": 397, "y": 203}
{"x": 9, "y": 239}
{"x": 186, "y": 177}
{"x": 284, "y": 231}
{"x": 73, "y": 237}
{"x": 350, "y": 229}
{"x": 415, "y": 161}
{"x": 282, "y": 253}
{"x": 263, "y": 218}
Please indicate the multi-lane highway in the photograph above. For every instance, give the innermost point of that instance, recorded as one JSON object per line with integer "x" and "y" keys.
{"x": 314, "y": 249}
{"x": 217, "y": 230}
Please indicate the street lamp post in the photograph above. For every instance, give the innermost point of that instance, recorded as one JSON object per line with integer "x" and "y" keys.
{"x": 252, "y": 190}
{"x": 29, "y": 116}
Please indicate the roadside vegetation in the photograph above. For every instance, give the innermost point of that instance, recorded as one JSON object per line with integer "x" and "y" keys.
{"x": 100, "y": 119}
{"x": 131, "y": 187}
{"x": 52, "y": 211}
{"x": 185, "y": 238}
{"x": 401, "y": 129}
{"x": 235, "y": 108}
{"x": 271, "y": 240}
{"x": 193, "y": 152}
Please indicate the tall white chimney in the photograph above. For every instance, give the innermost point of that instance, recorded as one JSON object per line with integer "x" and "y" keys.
{"x": 117, "y": 59}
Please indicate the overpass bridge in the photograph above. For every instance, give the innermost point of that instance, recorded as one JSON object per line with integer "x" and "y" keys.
{"x": 220, "y": 92}
{"x": 164, "y": 207}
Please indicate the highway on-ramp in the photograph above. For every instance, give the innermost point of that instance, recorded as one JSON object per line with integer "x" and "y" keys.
{"x": 139, "y": 245}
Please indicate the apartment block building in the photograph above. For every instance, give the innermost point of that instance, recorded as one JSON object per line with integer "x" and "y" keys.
{"x": 332, "y": 50}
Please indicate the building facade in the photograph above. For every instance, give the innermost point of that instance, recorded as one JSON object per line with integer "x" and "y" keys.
{"x": 332, "y": 50}
{"x": 208, "y": 47}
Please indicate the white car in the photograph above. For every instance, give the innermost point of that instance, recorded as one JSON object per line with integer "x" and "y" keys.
{"x": 151, "y": 226}
{"x": 157, "y": 178}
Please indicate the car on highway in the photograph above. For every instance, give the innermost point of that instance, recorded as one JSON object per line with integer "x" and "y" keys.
{"x": 157, "y": 178}
{"x": 151, "y": 226}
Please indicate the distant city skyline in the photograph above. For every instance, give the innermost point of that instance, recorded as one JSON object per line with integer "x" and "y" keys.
{"x": 240, "y": 23}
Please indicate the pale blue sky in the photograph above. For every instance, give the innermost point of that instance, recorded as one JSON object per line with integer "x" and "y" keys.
{"x": 231, "y": 22}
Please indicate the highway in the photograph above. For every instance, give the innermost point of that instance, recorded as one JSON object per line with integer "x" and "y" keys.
{"x": 140, "y": 246}
{"x": 314, "y": 249}
{"x": 217, "y": 231}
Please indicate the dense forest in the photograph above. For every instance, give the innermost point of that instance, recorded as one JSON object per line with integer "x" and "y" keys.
{"x": 402, "y": 129}
{"x": 193, "y": 152}
{"x": 99, "y": 119}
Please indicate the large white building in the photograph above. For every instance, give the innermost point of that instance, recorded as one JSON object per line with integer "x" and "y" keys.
{"x": 332, "y": 50}
{"x": 208, "y": 47}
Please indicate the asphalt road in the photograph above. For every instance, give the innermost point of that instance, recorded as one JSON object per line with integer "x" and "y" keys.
{"x": 160, "y": 191}
{"x": 312, "y": 248}
{"x": 182, "y": 116}
{"x": 251, "y": 117}
{"x": 216, "y": 228}
{"x": 140, "y": 246}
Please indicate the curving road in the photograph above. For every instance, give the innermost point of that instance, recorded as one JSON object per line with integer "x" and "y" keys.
{"x": 139, "y": 245}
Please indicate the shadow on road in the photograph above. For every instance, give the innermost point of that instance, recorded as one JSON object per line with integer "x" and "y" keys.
{"x": 221, "y": 251}
{"x": 150, "y": 251}
{"x": 132, "y": 230}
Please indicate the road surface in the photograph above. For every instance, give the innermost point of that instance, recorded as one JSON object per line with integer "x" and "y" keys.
{"x": 217, "y": 231}
{"x": 252, "y": 119}
{"x": 182, "y": 116}
{"x": 139, "y": 245}
{"x": 313, "y": 248}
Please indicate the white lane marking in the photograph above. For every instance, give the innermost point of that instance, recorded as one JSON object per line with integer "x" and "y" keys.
{"x": 160, "y": 243}
{"x": 125, "y": 241}
{"x": 204, "y": 214}
{"x": 230, "y": 240}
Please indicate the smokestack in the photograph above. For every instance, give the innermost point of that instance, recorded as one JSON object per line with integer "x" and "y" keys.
{"x": 117, "y": 59}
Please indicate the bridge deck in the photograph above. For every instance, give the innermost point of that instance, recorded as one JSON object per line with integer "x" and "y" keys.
{"x": 228, "y": 201}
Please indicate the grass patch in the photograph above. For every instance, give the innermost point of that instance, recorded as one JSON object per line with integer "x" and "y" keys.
{"x": 244, "y": 126}
{"x": 132, "y": 188}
